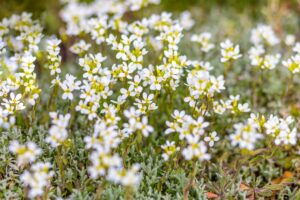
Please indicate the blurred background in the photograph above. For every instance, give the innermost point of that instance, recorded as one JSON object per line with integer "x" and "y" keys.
{"x": 270, "y": 11}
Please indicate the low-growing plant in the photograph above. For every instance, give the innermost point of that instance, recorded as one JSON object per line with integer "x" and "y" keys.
{"x": 121, "y": 105}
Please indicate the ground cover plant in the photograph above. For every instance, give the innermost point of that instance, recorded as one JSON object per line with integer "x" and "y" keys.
{"x": 124, "y": 100}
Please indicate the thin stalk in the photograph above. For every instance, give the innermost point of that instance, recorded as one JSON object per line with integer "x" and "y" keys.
{"x": 190, "y": 183}
{"x": 100, "y": 189}
{"x": 59, "y": 161}
{"x": 227, "y": 68}
{"x": 51, "y": 104}
{"x": 128, "y": 193}
{"x": 289, "y": 86}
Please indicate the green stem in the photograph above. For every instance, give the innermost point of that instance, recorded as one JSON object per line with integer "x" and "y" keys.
{"x": 52, "y": 105}
{"x": 100, "y": 189}
{"x": 128, "y": 193}
{"x": 289, "y": 86}
{"x": 227, "y": 68}
{"x": 59, "y": 161}
{"x": 72, "y": 111}
{"x": 190, "y": 182}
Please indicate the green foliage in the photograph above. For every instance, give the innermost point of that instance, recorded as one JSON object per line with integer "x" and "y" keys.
{"x": 229, "y": 167}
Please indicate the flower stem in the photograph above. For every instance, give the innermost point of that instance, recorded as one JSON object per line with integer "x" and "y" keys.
{"x": 52, "y": 105}
{"x": 190, "y": 182}
{"x": 289, "y": 87}
{"x": 59, "y": 161}
{"x": 128, "y": 193}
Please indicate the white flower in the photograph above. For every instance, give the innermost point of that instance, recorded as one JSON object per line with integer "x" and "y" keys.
{"x": 280, "y": 130}
{"x": 14, "y": 103}
{"x": 219, "y": 108}
{"x": 53, "y": 46}
{"x": 25, "y": 153}
{"x": 80, "y": 47}
{"x": 229, "y": 51}
{"x": 155, "y": 83}
{"x": 243, "y": 107}
{"x": 68, "y": 86}
{"x": 186, "y": 20}
{"x": 146, "y": 103}
{"x": 212, "y": 138}
{"x": 138, "y": 4}
{"x": 102, "y": 162}
{"x": 200, "y": 82}
{"x": 293, "y": 64}
{"x": 178, "y": 116}
{"x": 200, "y": 125}
{"x": 58, "y": 131}
{"x": 125, "y": 177}
{"x": 195, "y": 149}
{"x": 290, "y": 40}
{"x": 270, "y": 61}
{"x": 6, "y": 121}
{"x": 204, "y": 40}
{"x": 169, "y": 149}
{"x": 264, "y": 34}
{"x": 296, "y": 48}
{"x": 144, "y": 127}
{"x": 38, "y": 178}
{"x": 245, "y": 135}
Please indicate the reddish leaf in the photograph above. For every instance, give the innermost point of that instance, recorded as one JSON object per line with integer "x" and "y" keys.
{"x": 244, "y": 187}
{"x": 211, "y": 195}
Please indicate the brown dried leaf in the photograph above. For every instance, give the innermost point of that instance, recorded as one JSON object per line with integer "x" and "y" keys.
{"x": 286, "y": 175}
{"x": 244, "y": 187}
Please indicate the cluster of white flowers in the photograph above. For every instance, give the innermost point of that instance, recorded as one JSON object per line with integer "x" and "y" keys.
{"x": 229, "y": 51}
{"x": 191, "y": 133}
{"x": 186, "y": 21}
{"x": 77, "y": 14}
{"x": 264, "y": 34}
{"x": 263, "y": 37}
{"x": 80, "y": 47}
{"x": 293, "y": 63}
{"x": 246, "y": 134}
{"x": 130, "y": 177}
{"x": 138, "y": 4}
{"x": 279, "y": 128}
{"x": 28, "y": 78}
{"x": 25, "y": 153}
{"x": 203, "y": 40}
{"x": 131, "y": 48}
{"x": 136, "y": 123}
{"x": 13, "y": 104}
{"x": 6, "y": 120}
{"x": 231, "y": 104}
{"x": 290, "y": 40}
{"x": 259, "y": 59}
{"x": 202, "y": 84}
{"x": 37, "y": 179}
{"x": 69, "y": 85}
{"x": 53, "y": 56}
{"x": 19, "y": 83}
{"x": 169, "y": 149}
{"x": 58, "y": 133}
{"x": 120, "y": 90}
{"x": 39, "y": 175}
{"x": 105, "y": 138}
